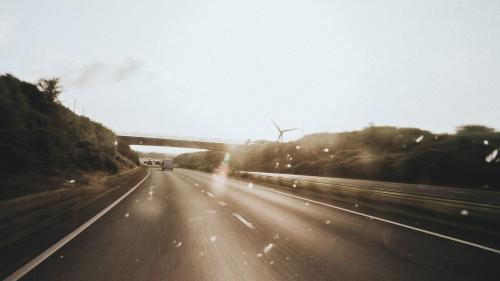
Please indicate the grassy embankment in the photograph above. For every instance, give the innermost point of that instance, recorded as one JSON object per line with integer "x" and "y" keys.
{"x": 44, "y": 145}
{"x": 467, "y": 158}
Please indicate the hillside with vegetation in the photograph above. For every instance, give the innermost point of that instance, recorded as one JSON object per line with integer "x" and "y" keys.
{"x": 42, "y": 139}
{"x": 154, "y": 155}
{"x": 467, "y": 158}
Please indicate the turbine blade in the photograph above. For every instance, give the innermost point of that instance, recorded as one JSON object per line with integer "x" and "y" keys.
{"x": 288, "y": 130}
{"x": 276, "y": 125}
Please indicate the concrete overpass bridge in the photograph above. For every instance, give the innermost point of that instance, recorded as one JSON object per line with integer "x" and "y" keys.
{"x": 179, "y": 141}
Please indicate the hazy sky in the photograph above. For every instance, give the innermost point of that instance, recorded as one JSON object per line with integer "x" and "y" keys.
{"x": 222, "y": 69}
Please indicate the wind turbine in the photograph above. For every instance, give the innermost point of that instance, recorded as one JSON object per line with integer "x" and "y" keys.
{"x": 281, "y": 132}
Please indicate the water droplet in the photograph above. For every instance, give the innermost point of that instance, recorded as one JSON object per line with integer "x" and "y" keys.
{"x": 419, "y": 139}
{"x": 492, "y": 156}
{"x": 326, "y": 149}
{"x": 486, "y": 142}
{"x": 328, "y": 222}
{"x": 464, "y": 212}
{"x": 268, "y": 248}
{"x": 213, "y": 238}
{"x": 297, "y": 147}
{"x": 127, "y": 215}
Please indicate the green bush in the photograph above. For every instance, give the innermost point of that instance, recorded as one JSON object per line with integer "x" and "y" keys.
{"x": 39, "y": 135}
{"x": 377, "y": 153}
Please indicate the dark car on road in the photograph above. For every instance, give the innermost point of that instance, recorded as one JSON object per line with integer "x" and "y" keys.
{"x": 167, "y": 165}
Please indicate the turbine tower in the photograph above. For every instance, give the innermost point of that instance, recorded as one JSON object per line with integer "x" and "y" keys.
{"x": 282, "y": 132}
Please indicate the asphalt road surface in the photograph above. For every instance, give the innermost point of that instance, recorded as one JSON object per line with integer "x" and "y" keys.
{"x": 186, "y": 225}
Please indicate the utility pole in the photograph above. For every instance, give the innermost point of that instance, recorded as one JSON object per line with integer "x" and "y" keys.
{"x": 74, "y": 106}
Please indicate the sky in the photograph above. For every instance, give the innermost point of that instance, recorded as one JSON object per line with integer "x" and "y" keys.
{"x": 225, "y": 68}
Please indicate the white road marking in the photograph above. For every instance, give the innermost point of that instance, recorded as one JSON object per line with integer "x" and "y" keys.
{"x": 497, "y": 251}
{"x": 244, "y": 221}
{"x": 210, "y": 194}
{"x": 47, "y": 253}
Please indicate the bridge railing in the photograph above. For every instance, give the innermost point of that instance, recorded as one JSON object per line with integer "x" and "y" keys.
{"x": 182, "y": 138}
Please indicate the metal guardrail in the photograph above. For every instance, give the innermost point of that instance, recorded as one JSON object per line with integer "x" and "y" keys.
{"x": 481, "y": 197}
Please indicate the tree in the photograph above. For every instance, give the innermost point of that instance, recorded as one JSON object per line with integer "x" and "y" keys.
{"x": 474, "y": 129}
{"x": 51, "y": 88}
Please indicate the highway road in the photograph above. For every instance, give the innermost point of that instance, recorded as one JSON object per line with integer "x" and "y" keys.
{"x": 186, "y": 225}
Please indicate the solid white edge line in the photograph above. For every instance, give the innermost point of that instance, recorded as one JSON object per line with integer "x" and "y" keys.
{"x": 47, "y": 253}
{"x": 387, "y": 221}
{"x": 244, "y": 221}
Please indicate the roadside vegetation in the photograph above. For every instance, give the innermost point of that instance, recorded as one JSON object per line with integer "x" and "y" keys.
{"x": 42, "y": 139}
{"x": 154, "y": 155}
{"x": 468, "y": 158}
